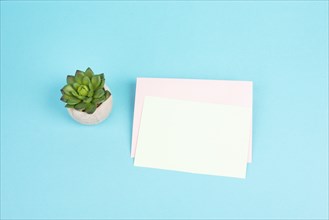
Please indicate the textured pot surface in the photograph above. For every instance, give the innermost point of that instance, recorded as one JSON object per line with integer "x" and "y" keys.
{"x": 101, "y": 113}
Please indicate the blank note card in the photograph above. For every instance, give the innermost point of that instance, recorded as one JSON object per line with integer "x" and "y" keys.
{"x": 194, "y": 137}
{"x": 226, "y": 92}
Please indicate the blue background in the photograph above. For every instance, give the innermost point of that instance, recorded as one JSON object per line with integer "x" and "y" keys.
{"x": 52, "y": 167}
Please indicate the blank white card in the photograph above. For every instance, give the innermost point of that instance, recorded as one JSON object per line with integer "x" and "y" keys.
{"x": 194, "y": 137}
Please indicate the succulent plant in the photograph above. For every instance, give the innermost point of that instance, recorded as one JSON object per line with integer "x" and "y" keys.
{"x": 84, "y": 91}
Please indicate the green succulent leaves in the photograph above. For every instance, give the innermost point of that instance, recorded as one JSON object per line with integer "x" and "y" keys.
{"x": 85, "y": 91}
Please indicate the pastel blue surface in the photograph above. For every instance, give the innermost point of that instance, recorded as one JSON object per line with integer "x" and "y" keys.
{"x": 52, "y": 167}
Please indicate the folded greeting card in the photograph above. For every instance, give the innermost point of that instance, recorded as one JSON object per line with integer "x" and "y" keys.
{"x": 235, "y": 93}
{"x": 195, "y": 137}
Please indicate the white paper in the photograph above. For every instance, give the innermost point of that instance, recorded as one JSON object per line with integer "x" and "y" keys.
{"x": 194, "y": 137}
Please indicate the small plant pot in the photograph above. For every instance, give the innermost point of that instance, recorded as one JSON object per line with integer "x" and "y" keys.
{"x": 101, "y": 113}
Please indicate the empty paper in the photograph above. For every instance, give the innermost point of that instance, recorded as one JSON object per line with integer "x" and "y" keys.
{"x": 194, "y": 137}
{"x": 237, "y": 93}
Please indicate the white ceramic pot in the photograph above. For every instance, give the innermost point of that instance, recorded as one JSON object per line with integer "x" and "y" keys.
{"x": 101, "y": 113}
